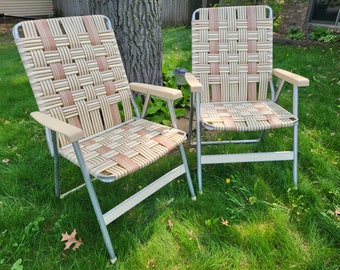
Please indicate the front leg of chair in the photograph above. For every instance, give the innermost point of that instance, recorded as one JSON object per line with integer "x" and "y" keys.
{"x": 198, "y": 143}
{"x": 295, "y": 135}
{"x": 295, "y": 155}
{"x": 94, "y": 201}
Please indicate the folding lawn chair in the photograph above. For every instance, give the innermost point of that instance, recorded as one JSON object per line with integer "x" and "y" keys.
{"x": 81, "y": 89}
{"x": 232, "y": 55}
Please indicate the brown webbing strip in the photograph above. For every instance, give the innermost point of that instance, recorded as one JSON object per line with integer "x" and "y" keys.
{"x": 169, "y": 144}
{"x": 46, "y": 35}
{"x": 92, "y": 30}
{"x": 114, "y": 117}
{"x": 67, "y": 98}
{"x": 252, "y": 48}
{"x": 102, "y": 63}
{"x": 214, "y": 49}
{"x": 58, "y": 71}
{"x": 124, "y": 161}
{"x": 213, "y": 19}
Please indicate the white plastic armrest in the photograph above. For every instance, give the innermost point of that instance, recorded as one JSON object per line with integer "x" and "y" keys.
{"x": 155, "y": 90}
{"x": 290, "y": 77}
{"x": 72, "y": 133}
{"x": 194, "y": 84}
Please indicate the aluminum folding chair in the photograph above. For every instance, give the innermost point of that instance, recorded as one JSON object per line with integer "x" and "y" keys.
{"x": 81, "y": 89}
{"x": 232, "y": 85}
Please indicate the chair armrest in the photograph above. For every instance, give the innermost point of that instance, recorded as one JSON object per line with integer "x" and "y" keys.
{"x": 290, "y": 77}
{"x": 71, "y": 132}
{"x": 194, "y": 84}
{"x": 155, "y": 90}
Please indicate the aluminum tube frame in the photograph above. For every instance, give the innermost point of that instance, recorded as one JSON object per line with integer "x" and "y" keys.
{"x": 94, "y": 201}
{"x": 56, "y": 161}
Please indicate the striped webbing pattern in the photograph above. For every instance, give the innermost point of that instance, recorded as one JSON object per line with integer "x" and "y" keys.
{"x": 76, "y": 71}
{"x": 232, "y": 53}
{"x": 245, "y": 116}
{"x": 126, "y": 149}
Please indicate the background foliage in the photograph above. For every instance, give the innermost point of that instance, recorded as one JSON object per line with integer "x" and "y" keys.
{"x": 249, "y": 216}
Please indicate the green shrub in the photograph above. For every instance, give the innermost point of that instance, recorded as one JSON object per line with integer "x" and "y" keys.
{"x": 158, "y": 110}
{"x": 295, "y": 33}
{"x": 324, "y": 35}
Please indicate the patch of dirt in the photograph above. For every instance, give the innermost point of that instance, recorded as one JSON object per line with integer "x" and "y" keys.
{"x": 7, "y": 23}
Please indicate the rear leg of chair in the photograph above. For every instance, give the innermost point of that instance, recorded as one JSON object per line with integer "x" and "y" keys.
{"x": 263, "y": 132}
{"x": 187, "y": 172}
{"x": 56, "y": 164}
{"x": 56, "y": 175}
{"x": 184, "y": 159}
{"x": 95, "y": 203}
{"x": 191, "y": 118}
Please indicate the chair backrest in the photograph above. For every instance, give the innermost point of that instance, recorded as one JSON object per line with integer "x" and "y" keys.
{"x": 75, "y": 70}
{"x": 232, "y": 52}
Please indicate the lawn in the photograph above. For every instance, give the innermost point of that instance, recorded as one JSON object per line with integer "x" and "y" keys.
{"x": 249, "y": 216}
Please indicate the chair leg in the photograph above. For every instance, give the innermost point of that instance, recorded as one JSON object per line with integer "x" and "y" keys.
{"x": 56, "y": 175}
{"x": 191, "y": 118}
{"x": 189, "y": 180}
{"x": 295, "y": 135}
{"x": 295, "y": 160}
{"x": 199, "y": 163}
{"x": 95, "y": 203}
{"x": 199, "y": 150}
{"x": 263, "y": 132}
{"x": 56, "y": 164}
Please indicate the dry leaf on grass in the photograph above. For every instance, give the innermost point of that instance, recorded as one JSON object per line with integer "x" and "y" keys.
{"x": 71, "y": 239}
{"x": 224, "y": 222}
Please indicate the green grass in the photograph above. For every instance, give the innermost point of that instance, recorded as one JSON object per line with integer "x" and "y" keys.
{"x": 271, "y": 225}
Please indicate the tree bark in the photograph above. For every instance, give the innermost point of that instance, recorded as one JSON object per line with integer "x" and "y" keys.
{"x": 138, "y": 29}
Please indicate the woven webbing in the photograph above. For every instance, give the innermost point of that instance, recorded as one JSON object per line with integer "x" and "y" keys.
{"x": 245, "y": 116}
{"x": 232, "y": 53}
{"x": 76, "y": 71}
{"x": 126, "y": 149}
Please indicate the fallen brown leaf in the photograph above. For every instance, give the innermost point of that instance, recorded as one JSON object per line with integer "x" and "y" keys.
{"x": 71, "y": 239}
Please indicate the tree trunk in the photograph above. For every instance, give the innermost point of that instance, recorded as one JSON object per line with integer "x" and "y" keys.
{"x": 138, "y": 30}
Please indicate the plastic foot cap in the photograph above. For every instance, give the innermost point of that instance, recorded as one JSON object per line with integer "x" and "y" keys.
{"x": 113, "y": 260}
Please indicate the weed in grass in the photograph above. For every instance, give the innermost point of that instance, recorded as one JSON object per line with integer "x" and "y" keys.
{"x": 298, "y": 206}
{"x": 19, "y": 243}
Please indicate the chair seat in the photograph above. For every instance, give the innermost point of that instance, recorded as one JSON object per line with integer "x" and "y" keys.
{"x": 245, "y": 116}
{"x": 125, "y": 149}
